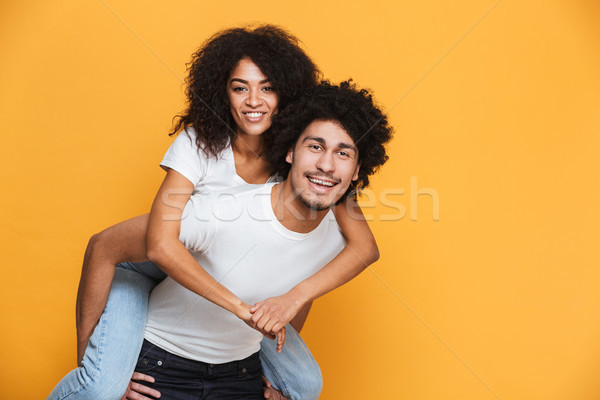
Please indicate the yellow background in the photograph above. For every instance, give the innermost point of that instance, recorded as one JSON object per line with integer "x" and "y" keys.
{"x": 496, "y": 109}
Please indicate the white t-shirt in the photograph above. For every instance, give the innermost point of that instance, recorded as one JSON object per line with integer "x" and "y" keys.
{"x": 238, "y": 240}
{"x": 208, "y": 174}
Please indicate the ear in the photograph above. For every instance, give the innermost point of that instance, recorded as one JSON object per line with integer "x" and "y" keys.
{"x": 290, "y": 156}
{"x": 355, "y": 176}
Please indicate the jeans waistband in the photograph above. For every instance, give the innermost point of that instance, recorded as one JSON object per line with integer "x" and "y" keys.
{"x": 173, "y": 360}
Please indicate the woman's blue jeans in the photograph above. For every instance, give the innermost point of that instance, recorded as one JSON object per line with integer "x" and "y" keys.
{"x": 113, "y": 349}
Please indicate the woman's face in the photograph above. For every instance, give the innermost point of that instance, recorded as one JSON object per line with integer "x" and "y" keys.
{"x": 252, "y": 99}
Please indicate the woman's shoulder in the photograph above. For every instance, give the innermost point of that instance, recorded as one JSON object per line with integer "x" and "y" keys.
{"x": 191, "y": 137}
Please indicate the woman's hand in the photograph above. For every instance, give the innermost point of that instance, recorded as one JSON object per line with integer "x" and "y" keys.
{"x": 136, "y": 391}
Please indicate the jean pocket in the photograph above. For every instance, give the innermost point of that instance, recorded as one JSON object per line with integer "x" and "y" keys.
{"x": 147, "y": 364}
{"x": 251, "y": 371}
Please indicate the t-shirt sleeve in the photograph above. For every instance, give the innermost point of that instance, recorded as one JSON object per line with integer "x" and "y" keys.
{"x": 184, "y": 157}
{"x": 198, "y": 223}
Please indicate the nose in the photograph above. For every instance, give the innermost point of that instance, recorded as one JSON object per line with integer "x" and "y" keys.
{"x": 253, "y": 99}
{"x": 326, "y": 162}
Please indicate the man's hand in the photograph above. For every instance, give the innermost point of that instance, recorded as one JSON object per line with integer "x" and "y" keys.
{"x": 136, "y": 391}
{"x": 271, "y": 393}
{"x": 275, "y": 312}
{"x": 279, "y": 334}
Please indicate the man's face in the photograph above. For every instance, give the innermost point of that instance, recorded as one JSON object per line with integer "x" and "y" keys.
{"x": 324, "y": 163}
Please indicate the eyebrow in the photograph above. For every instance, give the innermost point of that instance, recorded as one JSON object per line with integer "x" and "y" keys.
{"x": 246, "y": 82}
{"x": 321, "y": 141}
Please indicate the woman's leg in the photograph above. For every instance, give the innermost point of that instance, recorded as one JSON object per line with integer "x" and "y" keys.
{"x": 294, "y": 371}
{"x": 112, "y": 351}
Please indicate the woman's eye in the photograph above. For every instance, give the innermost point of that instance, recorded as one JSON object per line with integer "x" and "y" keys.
{"x": 269, "y": 89}
{"x": 239, "y": 89}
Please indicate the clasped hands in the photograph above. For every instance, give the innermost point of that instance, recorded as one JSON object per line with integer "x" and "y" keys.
{"x": 271, "y": 315}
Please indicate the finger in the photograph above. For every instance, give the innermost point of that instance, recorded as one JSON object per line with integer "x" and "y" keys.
{"x": 139, "y": 388}
{"x": 266, "y": 381}
{"x": 138, "y": 376}
{"x": 280, "y": 340}
{"x": 263, "y": 322}
{"x": 269, "y": 327}
{"x": 257, "y": 315}
{"x": 277, "y": 327}
{"x": 132, "y": 395}
{"x": 255, "y": 307}
{"x": 269, "y": 335}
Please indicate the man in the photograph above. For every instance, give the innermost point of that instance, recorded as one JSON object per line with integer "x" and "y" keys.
{"x": 261, "y": 242}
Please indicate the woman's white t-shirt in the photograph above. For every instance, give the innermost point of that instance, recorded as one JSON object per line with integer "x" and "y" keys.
{"x": 208, "y": 174}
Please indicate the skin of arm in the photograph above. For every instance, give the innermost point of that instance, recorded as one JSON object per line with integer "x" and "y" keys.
{"x": 166, "y": 250}
{"x": 298, "y": 321}
{"x": 360, "y": 252}
{"x": 125, "y": 241}
{"x": 128, "y": 240}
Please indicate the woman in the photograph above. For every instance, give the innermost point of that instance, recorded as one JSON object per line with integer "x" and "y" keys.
{"x": 237, "y": 81}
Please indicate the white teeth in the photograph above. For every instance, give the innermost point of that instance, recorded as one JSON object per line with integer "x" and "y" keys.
{"x": 320, "y": 182}
{"x": 254, "y": 114}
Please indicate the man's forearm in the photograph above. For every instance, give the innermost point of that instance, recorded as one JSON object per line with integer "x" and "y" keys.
{"x": 298, "y": 321}
{"x": 339, "y": 271}
{"x": 92, "y": 295}
{"x": 125, "y": 241}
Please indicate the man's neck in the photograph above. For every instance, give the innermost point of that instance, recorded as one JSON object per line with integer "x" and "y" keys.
{"x": 291, "y": 212}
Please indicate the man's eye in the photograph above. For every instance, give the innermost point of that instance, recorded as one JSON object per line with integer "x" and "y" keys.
{"x": 315, "y": 147}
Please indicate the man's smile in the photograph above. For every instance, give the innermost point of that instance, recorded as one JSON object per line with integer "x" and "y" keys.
{"x": 322, "y": 182}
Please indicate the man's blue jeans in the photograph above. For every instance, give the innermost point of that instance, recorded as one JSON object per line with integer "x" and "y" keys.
{"x": 113, "y": 349}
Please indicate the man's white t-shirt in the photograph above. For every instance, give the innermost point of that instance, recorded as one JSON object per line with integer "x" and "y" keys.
{"x": 236, "y": 238}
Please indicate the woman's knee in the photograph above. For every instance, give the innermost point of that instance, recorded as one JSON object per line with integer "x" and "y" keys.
{"x": 110, "y": 387}
{"x": 90, "y": 383}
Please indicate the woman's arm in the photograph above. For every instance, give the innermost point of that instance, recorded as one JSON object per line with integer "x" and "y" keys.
{"x": 166, "y": 250}
{"x": 125, "y": 241}
{"x": 360, "y": 252}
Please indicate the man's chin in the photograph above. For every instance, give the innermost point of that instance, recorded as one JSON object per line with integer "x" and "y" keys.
{"x": 315, "y": 205}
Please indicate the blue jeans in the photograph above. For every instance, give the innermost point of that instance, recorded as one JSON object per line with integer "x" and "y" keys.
{"x": 111, "y": 354}
{"x": 179, "y": 378}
